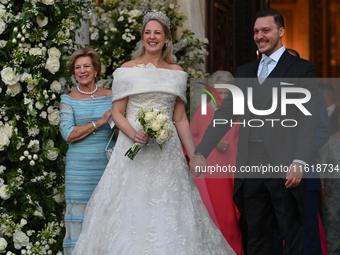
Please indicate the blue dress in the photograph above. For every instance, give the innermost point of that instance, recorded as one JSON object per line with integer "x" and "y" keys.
{"x": 85, "y": 160}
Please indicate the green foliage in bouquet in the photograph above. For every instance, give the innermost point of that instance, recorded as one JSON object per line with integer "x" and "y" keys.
{"x": 36, "y": 39}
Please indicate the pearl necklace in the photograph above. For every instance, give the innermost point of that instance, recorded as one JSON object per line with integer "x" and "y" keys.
{"x": 213, "y": 106}
{"x": 88, "y": 93}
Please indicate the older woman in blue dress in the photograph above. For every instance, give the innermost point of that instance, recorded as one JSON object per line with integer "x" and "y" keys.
{"x": 85, "y": 113}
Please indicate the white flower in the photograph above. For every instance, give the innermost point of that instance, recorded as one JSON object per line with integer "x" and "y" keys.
{"x": 52, "y": 154}
{"x": 43, "y": 115}
{"x": 3, "y": 245}
{"x": 21, "y": 158}
{"x": 155, "y": 125}
{"x": 49, "y": 143}
{"x": 171, "y": 6}
{"x": 32, "y": 163}
{"x": 34, "y": 145}
{"x": 48, "y": 2}
{"x": 149, "y": 116}
{"x": 26, "y": 153}
{"x": 23, "y": 222}
{"x": 33, "y": 131}
{"x": 54, "y": 52}
{"x": 52, "y": 64}
{"x": 167, "y": 126}
{"x": 54, "y": 117}
{"x": 162, "y": 137}
{"x": 9, "y": 76}
{"x": 14, "y": 90}
{"x": 1, "y": 182}
{"x": 42, "y": 22}
{"x": 2, "y": 169}
{"x": 3, "y": 43}
{"x": 2, "y": 11}
{"x": 20, "y": 239}
{"x": 55, "y": 87}
{"x": 39, "y": 105}
{"x": 24, "y": 76}
{"x": 162, "y": 117}
{"x": 4, "y": 192}
{"x": 8, "y": 130}
{"x": 121, "y": 18}
{"x": 4, "y": 141}
{"x": 35, "y": 51}
{"x": 2, "y": 26}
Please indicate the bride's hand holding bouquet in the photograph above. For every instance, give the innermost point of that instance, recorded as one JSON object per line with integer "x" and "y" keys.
{"x": 156, "y": 124}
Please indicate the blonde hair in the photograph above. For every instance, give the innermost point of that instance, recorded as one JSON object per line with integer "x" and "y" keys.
{"x": 166, "y": 51}
{"x": 83, "y": 52}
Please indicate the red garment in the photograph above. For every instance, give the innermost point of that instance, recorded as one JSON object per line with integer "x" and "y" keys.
{"x": 217, "y": 189}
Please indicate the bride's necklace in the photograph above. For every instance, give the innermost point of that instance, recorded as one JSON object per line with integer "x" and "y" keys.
{"x": 213, "y": 106}
{"x": 88, "y": 93}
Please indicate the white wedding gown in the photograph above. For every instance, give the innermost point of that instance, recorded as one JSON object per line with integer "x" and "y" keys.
{"x": 149, "y": 205}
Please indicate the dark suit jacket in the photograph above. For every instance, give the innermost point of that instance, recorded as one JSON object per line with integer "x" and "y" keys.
{"x": 284, "y": 144}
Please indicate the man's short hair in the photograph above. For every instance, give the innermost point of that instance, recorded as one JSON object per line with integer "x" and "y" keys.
{"x": 327, "y": 86}
{"x": 278, "y": 19}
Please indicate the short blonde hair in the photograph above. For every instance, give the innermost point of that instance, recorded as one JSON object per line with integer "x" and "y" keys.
{"x": 166, "y": 51}
{"x": 83, "y": 52}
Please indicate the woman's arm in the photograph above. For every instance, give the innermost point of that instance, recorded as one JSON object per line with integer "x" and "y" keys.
{"x": 183, "y": 127}
{"x": 118, "y": 115}
{"x": 79, "y": 132}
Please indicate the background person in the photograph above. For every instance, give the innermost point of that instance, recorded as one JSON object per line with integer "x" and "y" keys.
{"x": 84, "y": 116}
{"x": 217, "y": 189}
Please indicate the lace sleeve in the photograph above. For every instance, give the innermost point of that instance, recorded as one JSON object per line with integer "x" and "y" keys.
{"x": 66, "y": 123}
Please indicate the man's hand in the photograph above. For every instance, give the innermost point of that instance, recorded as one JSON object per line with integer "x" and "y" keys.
{"x": 222, "y": 146}
{"x": 196, "y": 162}
{"x": 294, "y": 175}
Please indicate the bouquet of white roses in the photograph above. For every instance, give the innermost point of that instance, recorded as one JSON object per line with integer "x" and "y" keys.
{"x": 157, "y": 124}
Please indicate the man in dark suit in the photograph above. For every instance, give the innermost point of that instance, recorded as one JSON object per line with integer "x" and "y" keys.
{"x": 267, "y": 199}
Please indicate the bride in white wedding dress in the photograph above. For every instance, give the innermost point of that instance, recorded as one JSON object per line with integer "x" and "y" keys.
{"x": 149, "y": 205}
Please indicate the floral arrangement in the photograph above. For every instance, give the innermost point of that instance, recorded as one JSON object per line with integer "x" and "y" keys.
{"x": 36, "y": 38}
{"x": 157, "y": 124}
{"x": 115, "y": 31}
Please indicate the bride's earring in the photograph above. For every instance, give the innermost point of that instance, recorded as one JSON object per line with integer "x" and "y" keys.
{"x": 166, "y": 45}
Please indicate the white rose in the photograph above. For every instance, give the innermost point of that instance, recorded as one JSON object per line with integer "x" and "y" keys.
{"x": 9, "y": 76}
{"x": 21, "y": 158}
{"x": 35, "y": 52}
{"x": 49, "y": 143}
{"x": 54, "y": 117}
{"x": 155, "y": 125}
{"x": 54, "y": 52}
{"x": 162, "y": 117}
{"x": 24, "y": 76}
{"x": 4, "y": 192}
{"x": 20, "y": 239}
{"x": 48, "y": 2}
{"x": 55, "y": 87}
{"x": 39, "y": 105}
{"x": 162, "y": 137}
{"x": 2, "y": 11}
{"x": 167, "y": 126}
{"x": 52, "y": 154}
{"x": 42, "y": 22}
{"x": 8, "y": 130}
{"x": 3, "y": 43}
{"x": 4, "y": 141}
{"x": 4, "y": 1}
{"x": 3, "y": 245}
{"x": 52, "y": 64}
{"x": 32, "y": 163}
{"x": 1, "y": 182}
{"x": 23, "y": 222}
{"x": 43, "y": 114}
{"x": 14, "y": 90}
{"x": 149, "y": 116}
{"x": 2, "y": 26}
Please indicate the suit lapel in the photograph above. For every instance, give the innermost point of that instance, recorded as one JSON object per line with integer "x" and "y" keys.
{"x": 279, "y": 71}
